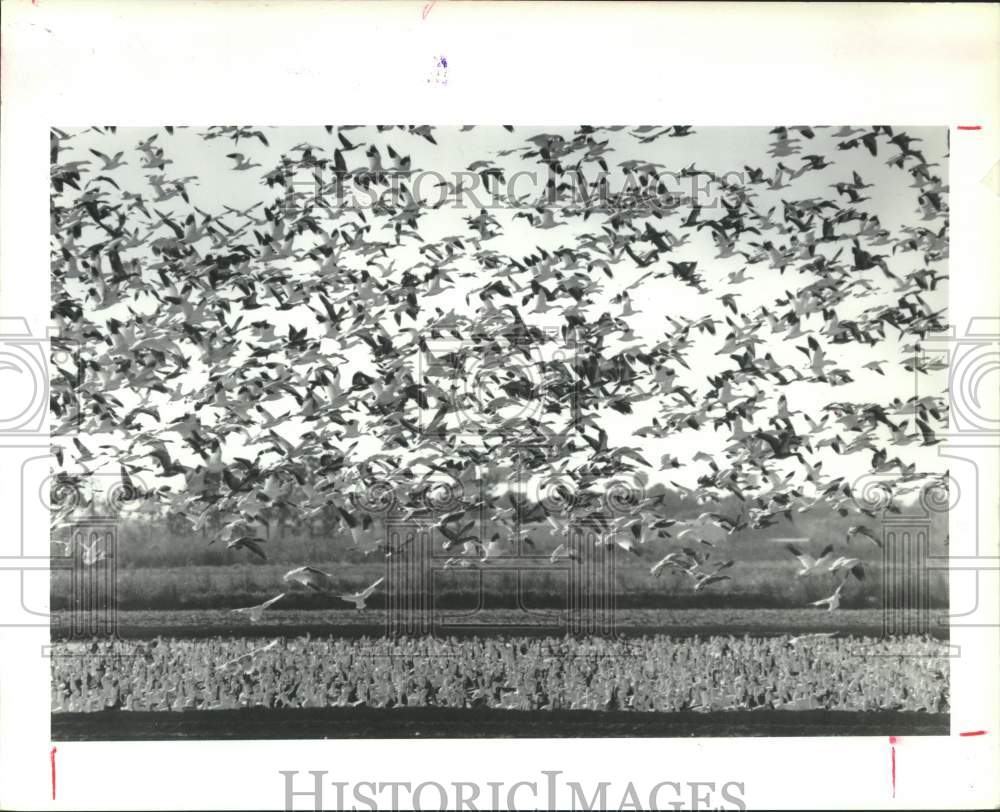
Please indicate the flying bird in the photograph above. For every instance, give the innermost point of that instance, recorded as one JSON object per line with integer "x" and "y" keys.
{"x": 359, "y": 598}
{"x": 255, "y": 613}
{"x": 833, "y": 602}
{"x": 251, "y": 543}
{"x": 810, "y": 564}
{"x": 860, "y": 531}
{"x": 310, "y": 577}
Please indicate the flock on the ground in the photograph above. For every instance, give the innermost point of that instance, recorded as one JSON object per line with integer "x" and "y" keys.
{"x": 812, "y": 671}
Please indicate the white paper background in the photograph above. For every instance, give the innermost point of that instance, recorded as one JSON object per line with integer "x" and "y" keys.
{"x": 84, "y": 63}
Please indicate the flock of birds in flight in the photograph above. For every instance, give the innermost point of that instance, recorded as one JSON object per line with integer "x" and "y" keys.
{"x": 161, "y": 302}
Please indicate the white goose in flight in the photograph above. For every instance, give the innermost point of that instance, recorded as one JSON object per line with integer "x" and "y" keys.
{"x": 255, "y": 613}
{"x": 310, "y": 577}
{"x": 863, "y": 532}
{"x": 833, "y": 602}
{"x": 359, "y": 598}
{"x": 849, "y": 566}
{"x": 810, "y": 564}
{"x": 708, "y": 579}
{"x": 673, "y": 559}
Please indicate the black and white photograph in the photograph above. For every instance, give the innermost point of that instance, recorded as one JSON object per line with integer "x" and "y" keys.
{"x": 401, "y": 430}
{"x": 623, "y": 432}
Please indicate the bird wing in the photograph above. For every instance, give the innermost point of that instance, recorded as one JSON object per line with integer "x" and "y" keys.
{"x": 272, "y": 601}
{"x": 371, "y": 589}
{"x": 806, "y": 560}
{"x": 864, "y": 532}
{"x": 711, "y": 579}
{"x": 557, "y": 525}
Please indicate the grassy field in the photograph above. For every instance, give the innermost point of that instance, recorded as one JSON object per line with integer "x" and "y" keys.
{"x": 373, "y": 723}
{"x": 755, "y": 584}
{"x": 157, "y": 567}
{"x": 192, "y": 623}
